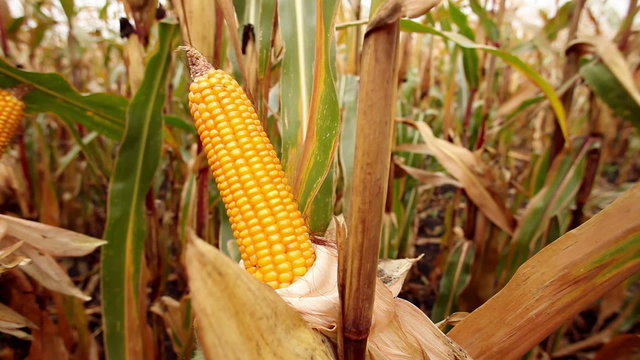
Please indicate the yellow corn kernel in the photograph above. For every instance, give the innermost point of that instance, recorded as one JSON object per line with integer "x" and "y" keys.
{"x": 271, "y": 232}
{"x": 11, "y": 112}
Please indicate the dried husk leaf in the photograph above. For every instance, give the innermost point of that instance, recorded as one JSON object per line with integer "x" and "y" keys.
{"x": 50, "y": 239}
{"x": 393, "y": 272}
{"x": 239, "y": 317}
{"x": 399, "y": 329}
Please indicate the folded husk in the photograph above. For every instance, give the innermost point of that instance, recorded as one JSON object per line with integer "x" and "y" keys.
{"x": 399, "y": 330}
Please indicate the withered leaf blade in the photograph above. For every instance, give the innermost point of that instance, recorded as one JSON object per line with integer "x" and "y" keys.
{"x": 467, "y": 168}
{"x": 44, "y": 269}
{"x": 557, "y": 283}
{"x": 237, "y": 317}
{"x": 11, "y": 322}
{"x": 49, "y": 239}
{"x": 394, "y": 10}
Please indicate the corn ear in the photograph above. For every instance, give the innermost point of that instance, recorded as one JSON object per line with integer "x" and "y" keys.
{"x": 271, "y": 233}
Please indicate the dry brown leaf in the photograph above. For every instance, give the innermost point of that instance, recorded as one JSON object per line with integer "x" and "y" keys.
{"x": 467, "y": 168}
{"x": 621, "y": 347}
{"x": 414, "y": 148}
{"x": 557, "y": 283}
{"x": 13, "y": 186}
{"x": 240, "y": 318}
{"x": 8, "y": 258}
{"x": 49, "y": 273}
{"x": 430, "y": 178}
{"x": 174, "y": 313}
{"x": 49, "y": 239}
{"x": 393, "y": 272}
{"x": 452, "y": 319}
{"x": 47, "y": 344}
{"x": 11, "y": 322}
{"x": 394, "y": 10}
{"x": 612, "y": 58}
{"x": 526, "y": 92}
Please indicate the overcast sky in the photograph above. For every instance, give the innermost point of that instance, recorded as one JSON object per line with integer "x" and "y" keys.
{"x": 528, "y": 11}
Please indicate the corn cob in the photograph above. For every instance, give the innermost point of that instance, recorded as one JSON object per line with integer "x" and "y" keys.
{"x": 11, "y": 112}
{"x": 271, "y": 233}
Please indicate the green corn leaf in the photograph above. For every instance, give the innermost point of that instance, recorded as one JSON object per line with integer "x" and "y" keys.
{"x": 456, "y": 275}
{"x": 298, "y": 27}
{"x": 607, "y": 86}
{"x": 348, "y": 105}
{"x": 563, "y": 181}
{"x": 100, "y": 112}
{"x": 123, "y": 255}
{"x": 310, "y": 111}
{"x": 516, "y": 62}
{"x": 315, "y": 188}
{"x": 486, "y": 20}
{"x": 470, "y": 60}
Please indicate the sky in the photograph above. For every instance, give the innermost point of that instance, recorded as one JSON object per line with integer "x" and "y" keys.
{"x": 528, "y": 11}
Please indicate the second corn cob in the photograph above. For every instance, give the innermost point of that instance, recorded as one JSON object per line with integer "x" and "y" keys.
{"x": 271, "y": 233}
{"x": 11, "y": 113}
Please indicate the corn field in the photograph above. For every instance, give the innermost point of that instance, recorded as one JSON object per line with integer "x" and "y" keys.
{"x": 319, "y": 179}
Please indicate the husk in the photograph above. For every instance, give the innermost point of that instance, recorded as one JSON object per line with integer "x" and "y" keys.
{"x": 399, "y": 331}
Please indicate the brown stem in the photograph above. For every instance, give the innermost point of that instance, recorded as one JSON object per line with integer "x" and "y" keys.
{"x": 24, "y": 164}
{"x": 571, "y": 67}
{"x": 590, "y": 172}
{"x": 467, "y": 114}
{"x": 358, "y": 36}
{"x": 374, "y": 132}
{"x": 202, "y": 198}
{"x": 3, "y": 36}
{"x": 217, "y": 50}
{"x": 470, "y": 222}
{"x": 625, "y": 29}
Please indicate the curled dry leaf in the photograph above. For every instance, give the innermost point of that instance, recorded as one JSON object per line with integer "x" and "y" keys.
{"x": 394, "y": 10}
{"x": 393, "y": 272}
{"x": 472, "y": 172}
{"x": 177, "y": 319}
{"x": 32, "y": 245}
{"x": 430, "y": 178}
{"x": 11, "y": 322}
{"x": 452, "y": 319}
{"x": 46, "y": 270}
{"x": 230, "y": 306}
{"x": 8, "y": 258}
{"x": 49, "y": 239}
